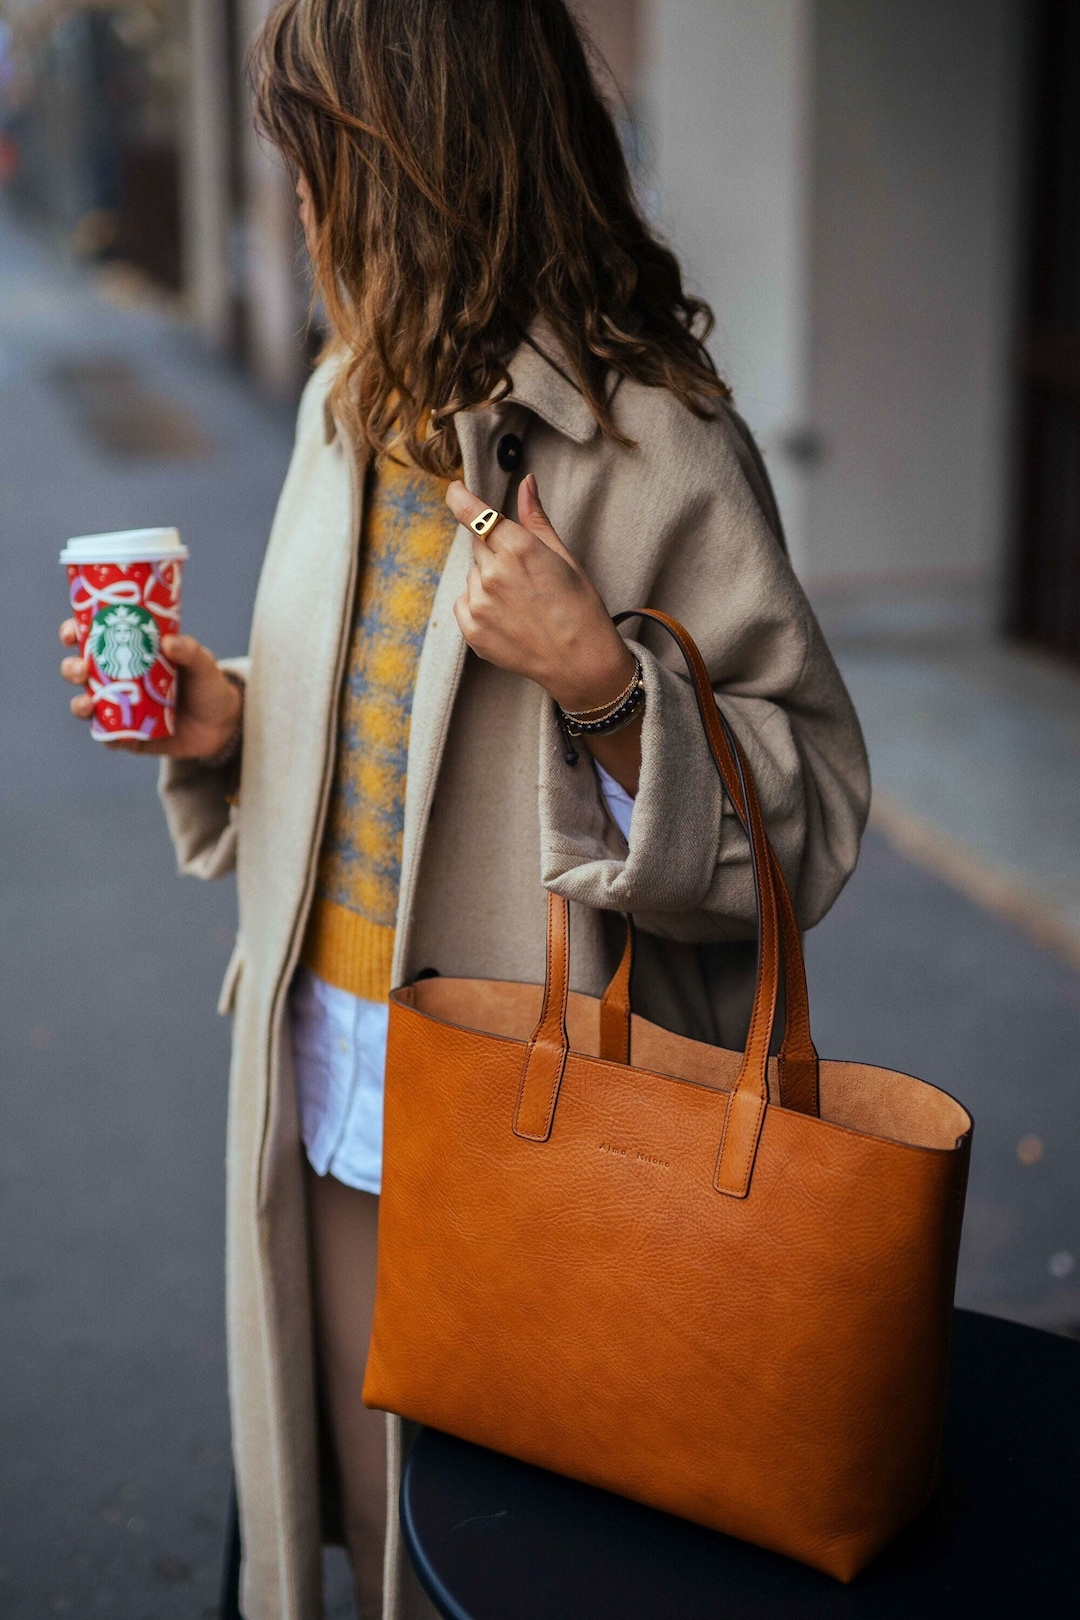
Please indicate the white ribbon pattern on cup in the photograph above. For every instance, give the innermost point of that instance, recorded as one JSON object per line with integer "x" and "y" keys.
{"x": 129, "y": 591}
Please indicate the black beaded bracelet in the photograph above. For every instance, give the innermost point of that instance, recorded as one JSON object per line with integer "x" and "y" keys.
{"x": 619, "y": 717}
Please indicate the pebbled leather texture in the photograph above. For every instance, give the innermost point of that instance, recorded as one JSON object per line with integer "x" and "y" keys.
{"x": 717, "y": 1283}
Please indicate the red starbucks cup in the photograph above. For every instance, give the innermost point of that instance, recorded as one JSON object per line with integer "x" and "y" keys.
{"x": 125, "y": 597}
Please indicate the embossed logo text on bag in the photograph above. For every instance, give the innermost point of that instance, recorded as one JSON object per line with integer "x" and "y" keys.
{"x": 634, "y": 1156}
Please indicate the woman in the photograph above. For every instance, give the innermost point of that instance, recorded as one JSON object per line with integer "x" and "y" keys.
{"x": 389, "y": 769}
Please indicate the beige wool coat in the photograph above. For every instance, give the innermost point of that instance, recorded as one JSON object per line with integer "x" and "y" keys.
{"x": 684, "y": 521}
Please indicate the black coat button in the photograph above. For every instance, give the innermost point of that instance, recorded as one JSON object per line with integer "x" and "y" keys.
{"x": 509, "y": 452}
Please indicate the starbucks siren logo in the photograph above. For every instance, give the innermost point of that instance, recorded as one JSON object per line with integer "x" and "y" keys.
{"x": 123, "y": 641}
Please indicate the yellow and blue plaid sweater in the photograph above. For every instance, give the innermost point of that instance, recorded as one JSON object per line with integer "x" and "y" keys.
{"x": 407, "y": 533}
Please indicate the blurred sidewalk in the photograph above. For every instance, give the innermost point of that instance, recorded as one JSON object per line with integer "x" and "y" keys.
{"x": 113, "y": 418}
{"x": 113, "y": 1065}
{"x": 113, "y": 1424}
{"x": 976, "y": 752}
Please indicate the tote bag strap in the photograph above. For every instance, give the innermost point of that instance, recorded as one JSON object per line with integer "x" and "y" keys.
{"x": 797, "y": 1061}
{"x": 548, "y": 1048}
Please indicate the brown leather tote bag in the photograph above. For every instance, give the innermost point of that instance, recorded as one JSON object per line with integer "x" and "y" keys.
{"x": 716, "y": 1282}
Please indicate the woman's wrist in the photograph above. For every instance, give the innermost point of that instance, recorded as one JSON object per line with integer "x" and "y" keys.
{"x": 597, "y": 684}
{"x": 232, "y": 730}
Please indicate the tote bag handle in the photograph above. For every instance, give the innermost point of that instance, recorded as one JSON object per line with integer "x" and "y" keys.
{"x": 797, "y": 1061}
{"x": 548, "y": 1047}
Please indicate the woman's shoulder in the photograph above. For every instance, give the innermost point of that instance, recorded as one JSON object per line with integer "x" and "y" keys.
{"x": 657, "y": 419}
{"x": 713, "y": 454}
{"x": 657, "y": 429}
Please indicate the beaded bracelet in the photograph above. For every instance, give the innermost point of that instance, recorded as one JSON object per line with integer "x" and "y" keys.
{"x": 602, "y": 710}
{"x": 619, "y": 714}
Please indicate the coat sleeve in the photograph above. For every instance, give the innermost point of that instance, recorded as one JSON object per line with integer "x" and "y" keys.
{"x": 685, "y": 871}
{"x": 198, "y": 812}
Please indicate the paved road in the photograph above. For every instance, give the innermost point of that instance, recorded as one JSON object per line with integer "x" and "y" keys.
{"x": 113, "y": 1426}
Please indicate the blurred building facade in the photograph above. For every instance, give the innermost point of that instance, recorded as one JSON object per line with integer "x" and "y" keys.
{"x": 879, "y": 200}
{"x": 94, "y": 107}
{"x": 882, "y": 203}
{"x": 850, "y": 208}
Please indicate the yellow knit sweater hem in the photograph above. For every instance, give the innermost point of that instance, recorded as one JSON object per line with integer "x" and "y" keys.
{"x": 348, "y": 951}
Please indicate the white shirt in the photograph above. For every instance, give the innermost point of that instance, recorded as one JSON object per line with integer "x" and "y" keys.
{"x": 339, "y": 1055}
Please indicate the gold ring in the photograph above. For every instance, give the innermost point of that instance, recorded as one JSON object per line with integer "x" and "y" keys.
{"x": 485, "y": 522}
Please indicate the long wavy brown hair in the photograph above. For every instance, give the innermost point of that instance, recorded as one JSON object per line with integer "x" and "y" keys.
{"x": 467, "y": 178}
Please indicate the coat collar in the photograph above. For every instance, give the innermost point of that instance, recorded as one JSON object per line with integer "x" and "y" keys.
{"x": 540, "y": 380}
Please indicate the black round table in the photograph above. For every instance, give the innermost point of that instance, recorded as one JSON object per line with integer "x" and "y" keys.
{"x": 494, "y": 1539}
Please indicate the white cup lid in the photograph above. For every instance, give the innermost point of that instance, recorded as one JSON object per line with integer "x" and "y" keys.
{"x": 125, "y": 545}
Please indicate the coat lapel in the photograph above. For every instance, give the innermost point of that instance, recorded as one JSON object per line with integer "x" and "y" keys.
{"x": 298, "y": 640}
{"x": 438, "y": 676}
{"x": 540, "y": 385}
{"x": 541, "y": 382}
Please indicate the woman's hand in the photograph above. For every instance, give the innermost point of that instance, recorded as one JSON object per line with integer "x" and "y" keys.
{"x": 208, "y": 707}
{"x": 528, "y": 606}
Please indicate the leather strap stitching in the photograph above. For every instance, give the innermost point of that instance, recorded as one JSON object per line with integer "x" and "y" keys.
{"x": 616, "y": 1007}
{"x": 549, "y": 1039}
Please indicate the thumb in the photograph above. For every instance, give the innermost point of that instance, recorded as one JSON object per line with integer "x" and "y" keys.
{"x": 190, "y": 654}
{"x": 531, "y": 516}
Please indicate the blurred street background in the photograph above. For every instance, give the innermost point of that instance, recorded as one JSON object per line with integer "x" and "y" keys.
{"x": 881, "y": 198}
